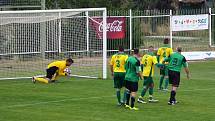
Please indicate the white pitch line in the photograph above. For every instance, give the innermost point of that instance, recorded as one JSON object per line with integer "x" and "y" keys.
{"x": 76, "y": 99}
{"x": 206, "y": 89}
{"x": 55, "y": 101}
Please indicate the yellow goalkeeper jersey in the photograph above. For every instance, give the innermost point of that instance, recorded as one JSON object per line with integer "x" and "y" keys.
{"x": 164, "y": 52}
{"x": 148, "y": 61}
{"x": 61, "y": 65}
{"x": 118, "y": 62}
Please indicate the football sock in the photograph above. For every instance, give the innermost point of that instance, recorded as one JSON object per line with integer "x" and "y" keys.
{"x": 132, "y": 101}
{"x": 166, "y": 83}
{"x": 42, "y": 80}
{"x": 172, "y": 96}
{"x": 143, "y": 92}
{"x": 151, "y": 90}
{"x": 127, "y": 98}
{"x": 161, "y": 81}
{"x": 124, "y": 96}
{"x": 118, "y": 96}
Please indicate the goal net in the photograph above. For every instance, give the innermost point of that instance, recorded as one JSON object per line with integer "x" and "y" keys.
{"x": 30, "y": 40}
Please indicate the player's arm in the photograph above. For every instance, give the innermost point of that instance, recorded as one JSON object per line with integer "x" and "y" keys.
{"x": 141, "y": 64}
{"x": 138, "y": 70}
{"x": 111, "y": 65}
{"x": 159, "y": 65}
{"x": 185, "y": 64}
{"x": 158, "y": 55}
{"x": 111, "y": 69}
{"x": 167, "y": 59}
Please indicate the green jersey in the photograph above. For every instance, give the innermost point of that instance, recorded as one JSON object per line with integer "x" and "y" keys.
{"x": 176, "y": 61}
{"x": 132, "y": 67}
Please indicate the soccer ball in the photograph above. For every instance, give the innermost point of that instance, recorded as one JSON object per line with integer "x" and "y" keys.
{"x": 68, "y": 71}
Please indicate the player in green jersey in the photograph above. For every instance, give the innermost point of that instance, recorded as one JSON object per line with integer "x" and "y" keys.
{"x": 132, "y": 76}
{"x": 176, "y": 61}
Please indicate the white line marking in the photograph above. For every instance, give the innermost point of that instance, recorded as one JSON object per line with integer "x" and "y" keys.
{"x": 56, "y": 101}
{"x": 77, "y": 99}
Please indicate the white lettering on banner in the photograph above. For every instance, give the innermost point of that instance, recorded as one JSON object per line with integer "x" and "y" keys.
{"x": 199, "y": 55}
{"x": 189, "y": 22}
{"x": 115, "y": 26}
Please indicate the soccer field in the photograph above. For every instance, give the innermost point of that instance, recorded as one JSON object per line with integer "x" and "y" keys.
{"x": 80, "y": 99}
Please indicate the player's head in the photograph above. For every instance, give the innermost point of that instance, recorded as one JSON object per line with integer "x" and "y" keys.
{"x": 166, "y": 41}
{"x": 136, "y": 51}
{"x": 179, "y": 49}
{"x": 151, "y": 48}
{"x": 121, "y": 49}
{"x": 69, "y": 62}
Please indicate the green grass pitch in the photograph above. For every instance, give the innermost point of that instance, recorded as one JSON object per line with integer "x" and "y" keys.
{"x": 79, "y": 99}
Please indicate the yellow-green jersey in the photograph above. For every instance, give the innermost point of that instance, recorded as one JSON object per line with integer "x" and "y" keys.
{"x": 118, "y": 62}
{"x": 164, "y": 52}
{"x": 61, "y": 65}
{"x": 148, "y": 61}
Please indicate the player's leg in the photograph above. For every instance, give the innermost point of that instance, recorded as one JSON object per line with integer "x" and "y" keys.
{"x": 174, "y": 79}
{"x": 145, "y": 88}
{"x": 122, "y": 85}
{"x": 54, "y": 77}
{"x": 128, "y": 93}
{"x": 151, "y": 90}
{"x": 134, "y": 89}
{"x": 161, "y": 79}
{"x": 50, "y": 73}
{"x": 117, "y": 86}
{"x": 40, "y": 79}
{"x": 166, "y": 80}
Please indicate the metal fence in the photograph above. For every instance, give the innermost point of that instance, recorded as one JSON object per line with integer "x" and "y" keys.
{"x": 147, "y": 27}
{"x": 150, "y": 27}
{"x": 21, "y": 4}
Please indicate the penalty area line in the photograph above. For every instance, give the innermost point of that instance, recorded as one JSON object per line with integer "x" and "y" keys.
{"x": 56, "y": 101}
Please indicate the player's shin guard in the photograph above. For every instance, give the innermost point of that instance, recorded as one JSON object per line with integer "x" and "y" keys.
{"x": 172, "y": 96}
{"x": 132, "y": 101}
{"x": 118, "y": 96}
{"x": 128, "y": 97}
{"x": 166, "y": 83}
{"x": 161, "y": 81}
{"x": 42, "y": 80}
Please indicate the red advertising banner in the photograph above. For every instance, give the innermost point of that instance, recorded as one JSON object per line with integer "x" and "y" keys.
{"x": 115, "y": 27}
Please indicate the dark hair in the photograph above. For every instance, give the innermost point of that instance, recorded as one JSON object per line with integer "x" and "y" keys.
{"x": 179, "y": 49}
{"x": 166, "y": 41}
{"x": 69, "y": 60}
{"x": 151, "y": 46}
{"x": 136, "y": 50}
{"x": 121, "y": 48}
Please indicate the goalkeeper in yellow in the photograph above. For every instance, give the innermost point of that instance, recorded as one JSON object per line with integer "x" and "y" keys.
{"x": 148, "y": 61}
{"x": 117, "y": 68}
{"x": 164, "y": 52}
{"x": 54, "y": 70}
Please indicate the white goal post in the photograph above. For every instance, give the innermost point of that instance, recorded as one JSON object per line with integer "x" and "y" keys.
{"x": 31, "y": 39}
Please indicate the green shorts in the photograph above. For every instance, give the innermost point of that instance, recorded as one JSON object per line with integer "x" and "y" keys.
{"x": 119, "y": 79}
{"x": 147, "y": 81}
{"x": 164, "y": 71}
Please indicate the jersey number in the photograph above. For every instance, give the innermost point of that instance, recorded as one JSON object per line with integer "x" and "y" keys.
{"x": 117, "y": 63}
{"x": 174, "y": 61}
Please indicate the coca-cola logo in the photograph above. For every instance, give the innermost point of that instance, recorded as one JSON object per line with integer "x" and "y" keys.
{"x": 115, "y": 26}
